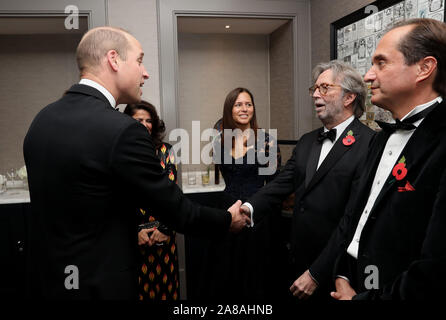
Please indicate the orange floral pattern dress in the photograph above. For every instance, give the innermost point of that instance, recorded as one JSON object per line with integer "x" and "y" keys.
{"x": 158, "y": 277}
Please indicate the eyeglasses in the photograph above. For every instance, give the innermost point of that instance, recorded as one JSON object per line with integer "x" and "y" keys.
{"x": 323, "y": 88}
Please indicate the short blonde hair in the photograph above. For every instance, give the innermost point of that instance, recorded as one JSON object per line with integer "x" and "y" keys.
{"x": 95, "y": 44}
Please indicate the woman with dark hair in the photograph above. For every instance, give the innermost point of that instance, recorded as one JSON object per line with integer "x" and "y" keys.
{"x": 241, "y": 173}
{"x": 240, "y": 266}
{"x": 158, "y": 271}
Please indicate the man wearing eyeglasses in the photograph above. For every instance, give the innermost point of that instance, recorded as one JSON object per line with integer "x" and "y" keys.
{"x": 321, "y": 172}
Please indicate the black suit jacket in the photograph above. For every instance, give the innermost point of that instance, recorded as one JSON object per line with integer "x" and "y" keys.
{"x": 320, "y": 196}
{"x": 405, "y": 234}
{"x": 89, "y": 168}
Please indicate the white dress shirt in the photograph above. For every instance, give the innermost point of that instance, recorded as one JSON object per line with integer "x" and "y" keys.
{"x": 391, "y": 155}
{"x": 328, "y": 144}
{"x": 326, "y": 147}
{"x": 101, "y": 89}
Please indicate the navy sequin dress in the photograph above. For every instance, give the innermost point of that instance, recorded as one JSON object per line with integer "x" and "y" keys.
{"x": 242, "y": 266}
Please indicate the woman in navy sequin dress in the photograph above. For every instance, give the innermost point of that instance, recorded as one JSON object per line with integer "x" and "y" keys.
{"x": 242, "y": 265}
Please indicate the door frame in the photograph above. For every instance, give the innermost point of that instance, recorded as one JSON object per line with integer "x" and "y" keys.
{"x": 298, "y": 11}
{"x": 94, "y": 10}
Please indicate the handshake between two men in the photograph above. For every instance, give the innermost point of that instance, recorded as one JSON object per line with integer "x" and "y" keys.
{"x": 241, "y": 217}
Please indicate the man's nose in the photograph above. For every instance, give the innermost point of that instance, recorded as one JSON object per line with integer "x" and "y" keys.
{"x": 370, "y": 75}
{"x": 317, "y": 93}
{"x": 145, "y": 74}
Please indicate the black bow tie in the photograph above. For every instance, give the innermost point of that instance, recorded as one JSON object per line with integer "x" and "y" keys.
{"x": 406, "y": 124}
{"x": 327, "y": 135}
{"x": 398, "y": 125}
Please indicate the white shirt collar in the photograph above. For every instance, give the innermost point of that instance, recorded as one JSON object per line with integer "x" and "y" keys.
{"x": 342, "y": 126}
{"x": 421, "y": 107}
{"x": 101, "y": 89}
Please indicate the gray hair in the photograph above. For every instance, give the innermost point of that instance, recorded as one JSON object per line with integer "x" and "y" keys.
{"x": 350, "y": 81}
{"x": 95, "y": 44}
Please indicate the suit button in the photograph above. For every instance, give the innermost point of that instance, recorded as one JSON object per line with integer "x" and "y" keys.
{"x": 302, "y": 209}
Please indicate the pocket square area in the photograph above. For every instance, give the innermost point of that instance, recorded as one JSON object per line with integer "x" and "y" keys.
{"x": 407, "y": 187}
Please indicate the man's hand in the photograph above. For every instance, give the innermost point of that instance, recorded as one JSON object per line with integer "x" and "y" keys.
{"x": 304, "y": 286}
{"x": 239, "y": 221}
{"x": 143, "y": 237}
{"x": 343, "y": 290}
{"x": 245, "y": 210}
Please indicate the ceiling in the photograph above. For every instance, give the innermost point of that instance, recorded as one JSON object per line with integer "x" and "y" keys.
{"x": 237, "y": 25}
{"x": 56, "y": 25}
{"x": 39, "y": 25}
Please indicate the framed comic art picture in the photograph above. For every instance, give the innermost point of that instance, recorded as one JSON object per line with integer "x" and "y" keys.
{"x": 355, "y": 36}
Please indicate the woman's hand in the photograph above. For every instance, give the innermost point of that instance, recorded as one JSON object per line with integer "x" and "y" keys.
{"x": 143, "y": 237}
{"x": 158, "y": 237}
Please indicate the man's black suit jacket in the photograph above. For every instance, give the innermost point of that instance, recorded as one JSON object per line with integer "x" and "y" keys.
{"x": 405, "y": 234}
{"x": 89, "y": 168}
{"x": 320, "y": 196}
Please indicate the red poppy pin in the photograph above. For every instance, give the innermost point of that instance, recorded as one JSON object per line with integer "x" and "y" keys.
{"x": 349, "y": 139}
{"x": 399, "y": 170}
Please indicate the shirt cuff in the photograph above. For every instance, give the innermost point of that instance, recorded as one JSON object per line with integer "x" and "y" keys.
{"x": 342, "y": 277}
{"x": 252, "y": 212}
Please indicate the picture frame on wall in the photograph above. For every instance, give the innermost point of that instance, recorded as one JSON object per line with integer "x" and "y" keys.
{"x": 353, "y": 38}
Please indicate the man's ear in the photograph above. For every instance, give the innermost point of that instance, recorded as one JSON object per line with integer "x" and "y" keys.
{"x": 112, "y": 59}
{"x": 349, "y": 97}
{"x": 426, "y": 67}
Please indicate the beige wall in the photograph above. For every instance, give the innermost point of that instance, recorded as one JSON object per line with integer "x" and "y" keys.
{"x": 211, "y": 65}
{"x": 139, "y": 17}
{"x": 323, "y": 13}
{"x": 36, "y": 70}
{"x": 282, "y": 84}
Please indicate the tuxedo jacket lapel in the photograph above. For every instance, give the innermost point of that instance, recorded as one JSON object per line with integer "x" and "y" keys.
{"x": 313, "y": 160}
{"x": 333, "y": 156}
{"x": 419, "y": 145}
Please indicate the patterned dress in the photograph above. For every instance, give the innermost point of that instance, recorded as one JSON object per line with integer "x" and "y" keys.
{"x": 158, "y": 277}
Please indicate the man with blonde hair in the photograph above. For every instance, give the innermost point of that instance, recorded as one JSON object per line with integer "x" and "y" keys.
{"x": 89, "y": 168}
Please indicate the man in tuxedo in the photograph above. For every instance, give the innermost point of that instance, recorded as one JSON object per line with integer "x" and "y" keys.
{"x": 395, "y": 227}
{"x": 321, "y": 172}
{"x": 89, "y": 168}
